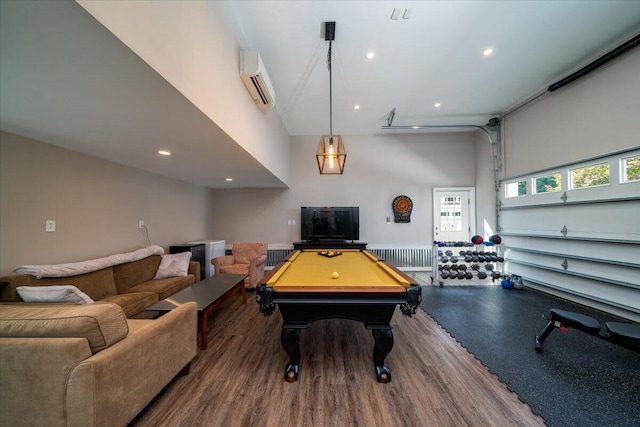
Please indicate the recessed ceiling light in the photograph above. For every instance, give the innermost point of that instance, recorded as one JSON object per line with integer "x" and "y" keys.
{"x": 228, "y": 179}
{"x": 164, "y": 152}
{"x": 415, "y": 127}
{"x": 356, "y": 107}
{"x": 437, "y": 105}
{"x": 371, "y": 55}
{"x": 488, "y": 51}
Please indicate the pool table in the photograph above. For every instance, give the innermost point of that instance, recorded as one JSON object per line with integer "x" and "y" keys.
{"x": 312, "y": 285}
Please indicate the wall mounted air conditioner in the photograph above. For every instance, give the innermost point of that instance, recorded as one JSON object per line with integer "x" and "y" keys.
{"x": 255, "y": 78}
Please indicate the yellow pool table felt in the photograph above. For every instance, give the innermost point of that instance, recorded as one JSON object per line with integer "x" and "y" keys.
{"x": 358, "y": 271}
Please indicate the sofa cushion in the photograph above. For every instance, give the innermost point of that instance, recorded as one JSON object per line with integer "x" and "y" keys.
{"x": 165, "y": 287}
{"x": 62, "y": 293}
{"x": 96, "y": 285}
{"x": 133, "y": 273}
{"x": 173, "y": 265}
{"x": 134, "y": 302}
{"x": 102, "y": 325}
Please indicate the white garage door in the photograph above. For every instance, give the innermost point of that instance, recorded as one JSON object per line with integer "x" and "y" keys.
{"x": 574, "y": 231}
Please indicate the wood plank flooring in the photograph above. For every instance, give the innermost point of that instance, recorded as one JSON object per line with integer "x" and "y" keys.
{"x": 238, "y": 380}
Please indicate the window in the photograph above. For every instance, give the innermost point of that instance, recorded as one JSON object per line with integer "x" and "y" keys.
{"x": 515, "y": 189}
{"x": 451, "y": 213}
{"x": 589, "y": 176}
{"x": 547, "y": 183}
{"x": 630, "y": 169}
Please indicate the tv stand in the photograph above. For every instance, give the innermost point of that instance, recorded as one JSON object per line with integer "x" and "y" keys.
{"x": 330, "y": 244}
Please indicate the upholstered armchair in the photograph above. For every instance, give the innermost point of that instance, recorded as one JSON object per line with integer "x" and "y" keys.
{"x": 247, "y": 258}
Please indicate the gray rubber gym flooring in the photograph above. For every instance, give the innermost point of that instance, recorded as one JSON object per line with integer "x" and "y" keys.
{"x": 580, "y": 380}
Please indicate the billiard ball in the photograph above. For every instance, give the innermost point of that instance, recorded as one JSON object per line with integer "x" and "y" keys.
{"x": 334, "y": 275}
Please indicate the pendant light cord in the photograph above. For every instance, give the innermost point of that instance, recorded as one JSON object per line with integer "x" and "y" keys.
{"x": 330, "y": 91}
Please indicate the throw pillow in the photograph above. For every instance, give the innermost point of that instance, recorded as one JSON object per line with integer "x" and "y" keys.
{"x": 174, "y": 265}
{"x": 57, "y": 293}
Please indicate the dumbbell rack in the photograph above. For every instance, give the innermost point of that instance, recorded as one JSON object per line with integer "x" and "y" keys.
{"x": 488, "y": 259}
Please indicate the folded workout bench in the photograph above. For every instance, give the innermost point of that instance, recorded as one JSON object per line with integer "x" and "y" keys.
{"x": 623, "y": 334}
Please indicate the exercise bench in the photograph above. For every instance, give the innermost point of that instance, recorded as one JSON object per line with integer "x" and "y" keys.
{"x": 623, "y": 334}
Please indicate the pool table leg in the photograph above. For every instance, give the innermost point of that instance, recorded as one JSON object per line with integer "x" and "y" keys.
{"x": 290, "y": 339}
{"x": 383, "y": 344}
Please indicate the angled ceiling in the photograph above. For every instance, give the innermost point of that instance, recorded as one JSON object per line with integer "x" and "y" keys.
{"x": 68, "y": 81}
{"x": 434, "y": 56}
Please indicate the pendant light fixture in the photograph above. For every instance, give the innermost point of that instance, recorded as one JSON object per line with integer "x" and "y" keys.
{"x": 331, "y": 154}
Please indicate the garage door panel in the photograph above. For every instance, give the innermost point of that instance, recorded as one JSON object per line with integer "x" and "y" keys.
{"x": 582, "y": 243}
{"x": 611, "y": 272}
{"x": 626, "y": 299}
{"x": 608, "y": 222}
{"x": 628, "y": 254}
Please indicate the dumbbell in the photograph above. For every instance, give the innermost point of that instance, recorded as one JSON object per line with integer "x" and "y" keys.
{"x": 461, "y": 274}
{"x": 454, "y": 259}
{"x": 475, "y": 267}
{"x": 454, "y": 267}
{"x": 462, "y": 267}
{"x": 444, "y": 275}
{"x": 488, "y": 267}
{"x": 468, "y": 275}
{"x": 482, "y": 275}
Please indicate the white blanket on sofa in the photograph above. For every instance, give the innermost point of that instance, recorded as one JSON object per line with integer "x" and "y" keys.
{"x": 82, "y": 267}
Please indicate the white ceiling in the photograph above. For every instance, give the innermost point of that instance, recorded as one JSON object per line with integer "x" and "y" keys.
{"x": 66, "y": 80}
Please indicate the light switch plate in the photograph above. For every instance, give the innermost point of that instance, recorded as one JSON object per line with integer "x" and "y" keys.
{"x": 50, "y": 225}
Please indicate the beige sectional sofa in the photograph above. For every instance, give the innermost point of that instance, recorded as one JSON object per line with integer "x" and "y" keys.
{"x": 96, "y": 364}
{"x": 87, "y": 365}
{"x": 130, "y": 285}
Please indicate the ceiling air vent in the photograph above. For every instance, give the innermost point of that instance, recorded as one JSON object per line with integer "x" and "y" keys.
{"x": 255, "y": 78}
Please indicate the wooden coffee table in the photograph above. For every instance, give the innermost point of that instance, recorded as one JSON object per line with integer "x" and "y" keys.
{"x": 208, "y": 294}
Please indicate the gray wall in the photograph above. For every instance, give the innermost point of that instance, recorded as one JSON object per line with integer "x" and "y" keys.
{"x": 485, "y": 186}
{"x": 378, "y": 168}
{"x": 597, "y": 114}
{"x": 96, "y": 204}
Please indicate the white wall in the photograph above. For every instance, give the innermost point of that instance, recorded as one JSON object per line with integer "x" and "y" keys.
{"x": 378, "y": 168}
{"x": 192, "y": 45}
{"x": 96, "y": 205}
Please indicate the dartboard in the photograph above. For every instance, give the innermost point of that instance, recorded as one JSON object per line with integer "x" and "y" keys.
{"x": 402, "y": 206}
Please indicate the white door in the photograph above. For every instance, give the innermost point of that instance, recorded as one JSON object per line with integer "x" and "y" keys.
{"x": 453, "y": 214}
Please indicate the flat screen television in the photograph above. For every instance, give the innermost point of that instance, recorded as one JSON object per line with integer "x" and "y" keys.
{"x": 329, "y": 223}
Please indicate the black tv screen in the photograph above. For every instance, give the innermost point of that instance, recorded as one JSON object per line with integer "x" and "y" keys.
{"x": 329, "y": 223}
